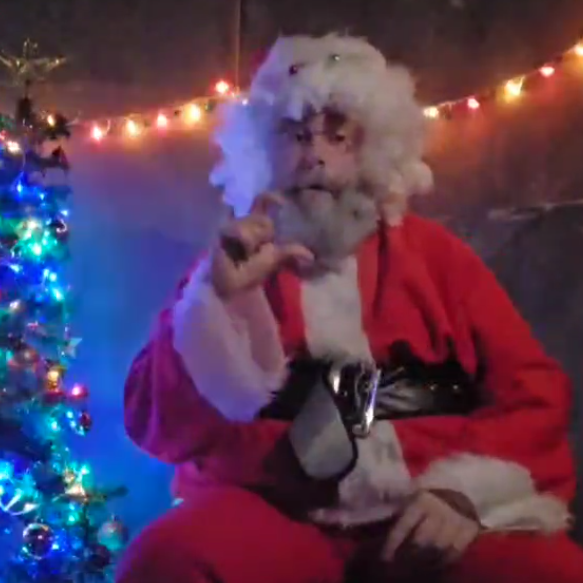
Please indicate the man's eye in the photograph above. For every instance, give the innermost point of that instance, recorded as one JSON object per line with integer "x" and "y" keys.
{"x": 302, "y": 137}
{"x": 338, "y": 138}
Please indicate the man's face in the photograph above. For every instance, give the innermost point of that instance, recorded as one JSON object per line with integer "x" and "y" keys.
{"x": 316, "y": 165}
{"x": 319, "y": 153}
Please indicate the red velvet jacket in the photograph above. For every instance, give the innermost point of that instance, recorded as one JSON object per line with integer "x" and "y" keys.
{"x": 193, "y": 393}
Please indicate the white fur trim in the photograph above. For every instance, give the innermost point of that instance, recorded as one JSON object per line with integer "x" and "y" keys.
{"x": 502, "y": 492}
{"x": 331, "y": 306}
{"x": 377, "y": 486}
{"x": 343, "y": 72}
{"x": 231, "y": 350}
{"x": 332, "y": 311}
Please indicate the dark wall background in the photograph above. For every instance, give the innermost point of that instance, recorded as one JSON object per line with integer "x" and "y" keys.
{"x": 160, "y": 51}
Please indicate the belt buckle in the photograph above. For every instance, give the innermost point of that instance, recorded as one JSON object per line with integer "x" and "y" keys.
{"x": 357, "y": 387}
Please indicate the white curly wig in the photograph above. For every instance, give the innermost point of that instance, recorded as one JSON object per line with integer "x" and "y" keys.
{"x": 343, "y": 73}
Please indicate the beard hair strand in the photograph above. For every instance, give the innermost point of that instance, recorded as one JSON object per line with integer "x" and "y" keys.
{"x": 330, "y": 225}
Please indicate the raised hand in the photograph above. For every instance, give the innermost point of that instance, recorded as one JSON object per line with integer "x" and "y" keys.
{"x": 247, "y": 255}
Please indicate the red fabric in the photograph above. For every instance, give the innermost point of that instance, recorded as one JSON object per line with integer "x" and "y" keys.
{"x": 227, "y": 535}
{"x": 420, "y": 285}
{"x": 231, "y": 536}
{"x": 529, "y": 396}
{"x": 520, "y": 558}
{"x": 166, "y": 417}
{"x": 185, "y": 427}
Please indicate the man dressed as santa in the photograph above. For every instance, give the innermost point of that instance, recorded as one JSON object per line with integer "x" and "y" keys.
{"x": 345, "y": 390}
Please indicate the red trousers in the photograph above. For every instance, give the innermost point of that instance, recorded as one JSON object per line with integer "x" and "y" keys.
{"x": 232, "y": 536}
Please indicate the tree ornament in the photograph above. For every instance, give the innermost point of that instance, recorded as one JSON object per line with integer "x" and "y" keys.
{"x": 38, "y": 540}
{"x": 24, "y": 356}
{"x": 77, "y": 492}
{"x": 79, "y": 392}
{"x": 54, "y": 392}
{"x": 60, "y": 229}
{"x": 54, "y": 377}
{"x": 113, "y": 535}
{"x": 57, "y": 126}
{"x": 54, "y": 395}
{"x": 28, "y": 66}
{"x": 85, "y": 422}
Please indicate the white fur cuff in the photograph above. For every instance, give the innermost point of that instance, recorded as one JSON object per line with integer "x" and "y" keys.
{"x": 231, "y": 349}
{"x": 502, "y": 492}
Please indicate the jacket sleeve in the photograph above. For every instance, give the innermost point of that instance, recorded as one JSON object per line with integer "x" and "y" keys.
{"x": 193, "y": 391}
{"x": 512, "y": 457}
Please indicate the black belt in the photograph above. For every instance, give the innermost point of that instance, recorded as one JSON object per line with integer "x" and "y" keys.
{"x": 332, "y": 406}
{"x": 416, "y": 390}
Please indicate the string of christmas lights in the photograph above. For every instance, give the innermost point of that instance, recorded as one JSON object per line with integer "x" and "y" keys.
{"x": 193, "y": 113}
{"x": 510, "y": 90}
{"x": 134, "y": 126}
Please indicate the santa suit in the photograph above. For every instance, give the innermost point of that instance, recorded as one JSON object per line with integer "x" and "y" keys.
{"x": 194, "y": 393}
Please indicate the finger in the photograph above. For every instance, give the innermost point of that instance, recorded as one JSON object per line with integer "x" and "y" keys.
{"x": 271, "y": 257}
{"x": 266, "y": 202}
{"x": 299, "y": 254}
{"x": 426, "y": 534}
{"x": 460, "y": 544}
{"x": 424, "y": 548}
{"x": 229, "y": 277}
{"x": 234, "y": 227}
{"x": 434, "y": 545}
{"x": 258, "y": 267}
{"x": 446, "y": 535}
{"x": 412, "y": 516}
{"x": 260, "y": 221}
{"x": 249, "y": 224}
{"x": 260, "y": 230}
{"x": 250, "y": 232}
{"x": 223, "y": 273}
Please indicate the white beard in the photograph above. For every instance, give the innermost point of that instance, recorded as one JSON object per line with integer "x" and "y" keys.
{"x": 330, "y": 226}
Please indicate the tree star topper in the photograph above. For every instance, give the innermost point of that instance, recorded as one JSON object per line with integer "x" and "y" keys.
{"x": 28, "y": 66}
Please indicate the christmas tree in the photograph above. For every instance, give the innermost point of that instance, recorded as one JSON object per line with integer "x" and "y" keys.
{"x": 54, "y": 522}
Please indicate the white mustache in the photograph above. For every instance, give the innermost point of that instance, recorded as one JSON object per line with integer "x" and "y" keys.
{"x": 316, "y": 179}
{"x": 330, "y": 228}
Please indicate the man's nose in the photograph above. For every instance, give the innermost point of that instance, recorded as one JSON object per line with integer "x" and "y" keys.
{"x": 314, "y": 155}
